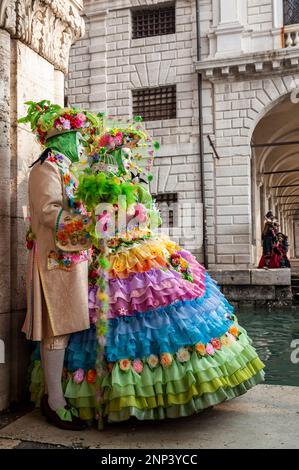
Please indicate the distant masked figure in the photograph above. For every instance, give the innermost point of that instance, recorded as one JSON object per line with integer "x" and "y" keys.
{"x": 268, "y": 239}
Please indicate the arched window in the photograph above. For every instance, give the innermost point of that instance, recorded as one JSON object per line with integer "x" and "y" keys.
{"x": 291, "y": 12}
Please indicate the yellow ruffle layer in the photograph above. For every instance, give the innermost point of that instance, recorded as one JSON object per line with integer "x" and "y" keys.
{"x": 149, "y": 254}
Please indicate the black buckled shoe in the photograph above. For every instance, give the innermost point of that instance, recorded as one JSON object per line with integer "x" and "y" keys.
{"x": 70, "y": 421}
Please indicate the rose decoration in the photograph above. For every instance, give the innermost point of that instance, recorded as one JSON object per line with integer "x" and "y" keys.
{"x": 125, "y": 365}
{"x": 183, "y": 355}
{"x": 166, "y": 360}
{"x": 216, "y": 343}
{"x": 91, "y": 376}
{"x": 200, "y": 349}
{"x": 234, "y": 330}
{"x": 138, "y": 366}
{"x": 153, "y": 361}
{"x": 210, "y": 350}
{"x": 231, "y": 337}
{"x": 78, "y": 376}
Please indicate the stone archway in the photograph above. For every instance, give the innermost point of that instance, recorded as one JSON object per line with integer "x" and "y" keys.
{"x": 274, "y": 175}
{"x": 238, "y": 107}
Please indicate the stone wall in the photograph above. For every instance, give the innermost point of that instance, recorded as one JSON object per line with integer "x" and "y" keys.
{"x": 260, "y": 14}
{"x": 255, "y": 287}
{"x": 107, "y": 64}
{"x": 32, "y": 67}
{"x": 237, "y": 105}
{"x": 240, "y": 85}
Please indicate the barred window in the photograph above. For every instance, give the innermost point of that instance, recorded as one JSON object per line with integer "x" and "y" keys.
{"x": 167, "y": 204}
{"x": 291, "y": 12}
{"x": 154, "y": 21}
{"x": 155, "y": 103}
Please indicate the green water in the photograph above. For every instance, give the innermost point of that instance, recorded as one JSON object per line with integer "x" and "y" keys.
{"x": 272, "y": 333}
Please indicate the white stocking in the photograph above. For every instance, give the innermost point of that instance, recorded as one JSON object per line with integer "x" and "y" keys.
{"x": 43, "y": 362}
{"x": 53, "y": 365}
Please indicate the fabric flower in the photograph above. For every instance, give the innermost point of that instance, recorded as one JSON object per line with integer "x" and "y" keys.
{"x": 78, "y": 376}
{"x": 79, "y": 120}
{"x": 102, "y": 296}
{"x": 103, "y": 221}
{"x": 67, "y": 261}
{"x": 183, "y": 355}
{"x": 216, "y": 343}
{"x": 224, "y": 341}
{"x": 91, "y": 376}
{"x": 105, "y": 140}
{"x": 93, "y": 317}
{"x": 200, "y": 349}
{"x": 231, "y": 337}
{"x": 67, "y": 178}
{"x": 123, "y": 311}
{"x": 124, "y": 365}
{"x": 234, "y": 330}
{"x": 102, "y": 341}
{"x": 210, "y": 350}
{"x": 175, "y": 259}
{"x": 153, "y": 361}
{"x": 140, "y": 212}
{"x": 118, "y": 139}
{"x": 166, "y": 360}
{"x": 131, "y": 210}
{"x": 138, "y": 366}
{"x": 66, "y": 124}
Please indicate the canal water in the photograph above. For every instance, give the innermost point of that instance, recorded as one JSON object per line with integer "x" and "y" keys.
{"x": 273, "y": 333}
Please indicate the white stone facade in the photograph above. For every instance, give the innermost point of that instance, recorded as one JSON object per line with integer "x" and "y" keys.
{"x": 248, "y": 67}
{"x": 107, "y": 64}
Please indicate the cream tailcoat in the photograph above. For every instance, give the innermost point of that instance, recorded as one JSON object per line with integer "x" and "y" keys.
{"x": 57, "y": 299}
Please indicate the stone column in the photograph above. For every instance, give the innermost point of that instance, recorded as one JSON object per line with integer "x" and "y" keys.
{"x": 35, "y": 39}
{"x": 231, "y": 17}
{"x": 5, "y": 214}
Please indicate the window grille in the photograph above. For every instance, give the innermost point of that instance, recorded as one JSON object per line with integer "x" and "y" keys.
{"x": 167, "y": 204}
{"x": 291, "y": 12}
{"x": 155, "y": 103}
{"x": 154, "y": 21}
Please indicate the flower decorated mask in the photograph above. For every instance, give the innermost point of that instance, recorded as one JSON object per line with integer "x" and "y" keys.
{"x": 69, "y": 144}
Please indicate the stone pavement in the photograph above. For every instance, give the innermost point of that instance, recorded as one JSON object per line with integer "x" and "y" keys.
{"x": 267, "y": 417}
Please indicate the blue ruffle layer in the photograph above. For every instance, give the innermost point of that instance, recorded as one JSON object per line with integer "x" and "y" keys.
{"x": 166, "y": 329}
{"x": 82, "y": 350}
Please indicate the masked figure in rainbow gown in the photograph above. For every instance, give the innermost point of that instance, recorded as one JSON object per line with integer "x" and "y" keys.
{"x": 163, "y": 340}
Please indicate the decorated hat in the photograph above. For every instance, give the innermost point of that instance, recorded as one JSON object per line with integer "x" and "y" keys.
{"x": 122, "y": 146}
{"x": 47, "y": 120}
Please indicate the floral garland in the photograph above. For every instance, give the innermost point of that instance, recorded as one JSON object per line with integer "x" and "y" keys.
{"x": 98, "y": 277}
{"x": 166, "y": 359}
{"x": 182, "y": 355}
{"x": 178, "y": 263}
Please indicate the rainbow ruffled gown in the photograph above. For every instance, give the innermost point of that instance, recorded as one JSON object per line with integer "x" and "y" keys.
{"x": 174, "y": 346}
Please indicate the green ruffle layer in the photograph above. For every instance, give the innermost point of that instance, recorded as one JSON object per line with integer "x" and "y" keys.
{"x": 180, "y": 390}
{"x": 195, "y": 405}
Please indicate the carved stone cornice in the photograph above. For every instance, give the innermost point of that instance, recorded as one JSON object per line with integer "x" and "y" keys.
{"x": 250, "y": 65}
{"x": 49, "y": 27}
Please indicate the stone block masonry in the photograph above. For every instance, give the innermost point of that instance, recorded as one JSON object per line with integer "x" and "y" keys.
{"x": 107, "y": 64}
